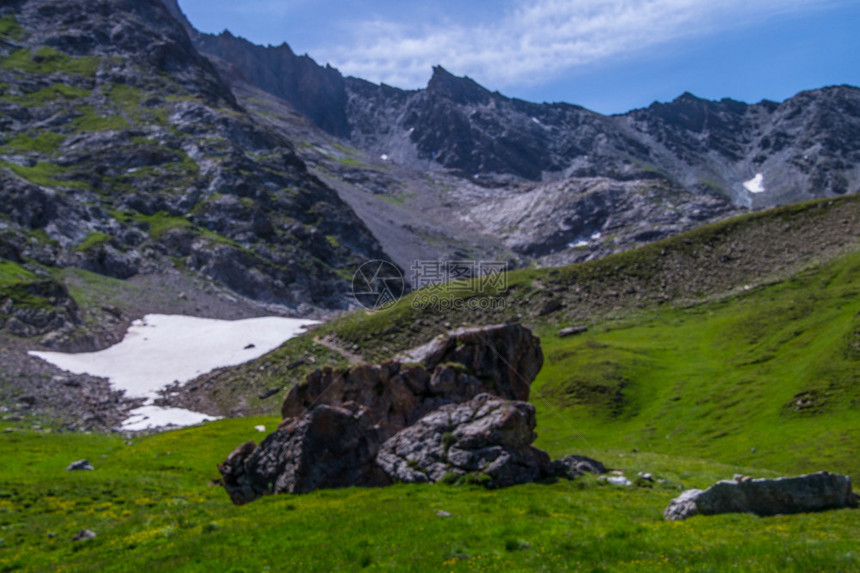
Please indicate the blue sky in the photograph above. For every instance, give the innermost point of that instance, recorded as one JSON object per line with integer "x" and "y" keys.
{"x": 607, "y": 55}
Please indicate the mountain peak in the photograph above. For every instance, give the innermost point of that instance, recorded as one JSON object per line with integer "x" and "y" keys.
{"x": 441, "y": 74}
{"x": 687, "y": 97}
{"x": 177, "y": 13}
{"x": 463, "y": 90}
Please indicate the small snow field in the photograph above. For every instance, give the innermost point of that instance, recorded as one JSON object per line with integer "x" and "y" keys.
{"x": 160, "y": 350}
{"x": 150, "y": 417}
{"x": 577, "y": 244}
{"x": 756, "y": 184}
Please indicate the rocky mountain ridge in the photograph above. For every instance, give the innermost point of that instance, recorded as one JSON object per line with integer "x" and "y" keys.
{"x": 123, "y": 152}
{"x": 458, "y": 124}
{"x": 134, "y": 145}
{"x": 550, "y": 183}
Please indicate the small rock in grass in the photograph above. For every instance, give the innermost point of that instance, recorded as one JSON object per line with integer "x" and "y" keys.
{"x": 268, "y": 393}
{"x": 571, "y": 331}
{"x": 83, "y": 535}
{"x": 574, "y": 466}
{"x": 619, "y": 480}
{"x": 80, "y": 465}
{"x": 550, "y": 307}
{"x": 260, "y": 428}
{"x": 443, "y": 513}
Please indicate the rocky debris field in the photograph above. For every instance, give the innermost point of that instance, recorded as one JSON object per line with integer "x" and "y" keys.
{"x": 123, "y": 153}
{"x": 34, "y": 392}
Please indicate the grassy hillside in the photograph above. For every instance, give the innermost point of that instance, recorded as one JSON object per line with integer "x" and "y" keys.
{"x": 711, "y": 263}
{"x": 751, "y": 357}
{"x": 701, "y": 360}
{"x": 769, "y": 377}
{"x": 153, "y": 506}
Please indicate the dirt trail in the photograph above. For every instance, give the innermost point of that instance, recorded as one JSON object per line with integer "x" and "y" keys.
{"x": 332, "y": 344}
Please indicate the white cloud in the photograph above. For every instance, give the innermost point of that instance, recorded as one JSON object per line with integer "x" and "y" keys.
{"x": 540, "y": 39}
{"x": 267, "y": 8}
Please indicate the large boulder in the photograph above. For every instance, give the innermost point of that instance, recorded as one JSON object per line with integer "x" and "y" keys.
{"x": 509, "y": 355}
{"x": 454, "y": 407}
{"x": 328, "y": 447}
{"x": 500, "y": 360}
{"x": 813, "y": 492}
{"x": 486, "y": 436}
{"x": 391, "y": 392}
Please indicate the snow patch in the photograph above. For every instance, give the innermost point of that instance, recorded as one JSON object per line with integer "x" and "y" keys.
{"x": 536, "y": 120}
{"x": 149, "y": 417}
{"x": 160, "y": 349}
{"x": 582, "y": 242}
{"x": 756, "y": 184}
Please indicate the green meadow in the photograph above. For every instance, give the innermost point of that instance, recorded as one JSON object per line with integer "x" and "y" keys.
{"x": 154, "y": 506}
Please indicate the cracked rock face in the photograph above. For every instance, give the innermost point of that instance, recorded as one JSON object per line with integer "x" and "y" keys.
{"x": 328, "y": 447}
{"x": 486, "y": 435}
{"x": 501, "y": 360}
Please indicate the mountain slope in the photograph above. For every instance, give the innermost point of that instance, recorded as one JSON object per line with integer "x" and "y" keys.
{"x": 123, "y": 152}
{"x": 734, "y": 336}
{"x": 557, "y": 183}
{"x": 804, "y": 147}
{"x": 318, "y": 93}
{"x": 749, "y": 357}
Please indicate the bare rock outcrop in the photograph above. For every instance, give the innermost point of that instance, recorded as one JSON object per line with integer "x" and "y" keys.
{"x": 487, "y": 436}
{"x": 813, "y": 492}
{"x": 500, "y": 360}
{"x": 327, "y": 447}
{"x": 571, "y": 467}
{"x": 457, "y": 407}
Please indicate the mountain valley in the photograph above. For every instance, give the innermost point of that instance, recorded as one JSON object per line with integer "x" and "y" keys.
{"x": 688, "y": 274}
